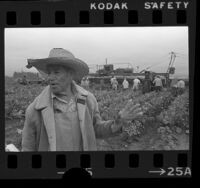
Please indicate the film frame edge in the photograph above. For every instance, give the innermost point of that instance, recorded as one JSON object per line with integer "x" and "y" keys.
{"x": 9, "y": 12}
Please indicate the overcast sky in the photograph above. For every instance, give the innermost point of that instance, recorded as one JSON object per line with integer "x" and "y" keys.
{"x": 139, "y": 46}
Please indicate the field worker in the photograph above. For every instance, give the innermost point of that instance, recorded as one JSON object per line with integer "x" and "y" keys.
{"x": 180, "y": 87}
{"x": 112, "y": 80}
{"x": 114, "y": 83}
{"x": 158, "y": 83}
{"x": 125, "y": 84}
{"x": 174, "y": 82}
{"x": 65, "y": 117}
{"x": 136, "y": 83}
{"x": 24, "y": 80}
{"x": 173, "y": 86}
{"x": 164, "y": 81}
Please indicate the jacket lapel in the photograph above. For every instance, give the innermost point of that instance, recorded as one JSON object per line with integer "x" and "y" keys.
{"x": 44, "y": 104}
{"x": 81, "y": 107}
{"x": 49, "y": 123}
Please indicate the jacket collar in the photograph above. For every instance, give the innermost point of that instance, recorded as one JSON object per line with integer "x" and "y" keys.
{"x": 44, "y": 99}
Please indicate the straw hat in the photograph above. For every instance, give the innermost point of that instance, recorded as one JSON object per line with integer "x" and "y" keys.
{"x": 60, "y": 56}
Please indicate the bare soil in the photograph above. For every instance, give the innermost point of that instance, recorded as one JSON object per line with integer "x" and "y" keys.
{"x": 150, "y": 140}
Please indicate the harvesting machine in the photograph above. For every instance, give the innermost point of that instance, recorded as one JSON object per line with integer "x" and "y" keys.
{"x": 105, "y": 72}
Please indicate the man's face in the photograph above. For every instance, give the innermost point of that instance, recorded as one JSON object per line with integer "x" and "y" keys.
{"x": 59, "y": 78}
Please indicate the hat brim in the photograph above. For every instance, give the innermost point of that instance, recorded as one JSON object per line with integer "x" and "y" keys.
{"x": 80, "y": 68}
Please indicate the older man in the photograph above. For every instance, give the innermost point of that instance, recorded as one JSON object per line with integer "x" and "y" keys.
{"x": 65, "y": 117}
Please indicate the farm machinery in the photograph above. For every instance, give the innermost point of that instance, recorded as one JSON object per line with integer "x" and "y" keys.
{"x": 105, "y": 72}
{"x": 104, "y": 75}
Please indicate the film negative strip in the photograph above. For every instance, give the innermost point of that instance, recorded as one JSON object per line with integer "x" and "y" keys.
{"x": 101, "y": 88}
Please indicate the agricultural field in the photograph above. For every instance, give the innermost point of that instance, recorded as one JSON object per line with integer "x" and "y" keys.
{"x": 164, "y": 125}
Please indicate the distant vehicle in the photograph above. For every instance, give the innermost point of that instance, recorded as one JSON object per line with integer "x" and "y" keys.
{"x": 108, "y": 69}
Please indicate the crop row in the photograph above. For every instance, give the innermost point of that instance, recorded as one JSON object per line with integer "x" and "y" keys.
{"x": 178, "y": 112}
{"x": 17, "y": 99}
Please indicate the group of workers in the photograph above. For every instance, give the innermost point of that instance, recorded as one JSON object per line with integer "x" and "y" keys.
{"x": 177, "y": 86}
{"x": 157, "y": 84}
{"x": 125, "y": 83}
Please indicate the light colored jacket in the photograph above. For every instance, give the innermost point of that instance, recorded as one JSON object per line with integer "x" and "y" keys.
{"x": 181, "y": 84}
{"x": 136, "y": 82}
{"x": 39, "y": 128}
{"x": 157, "y": 82}
{"x": 125, "y": 84}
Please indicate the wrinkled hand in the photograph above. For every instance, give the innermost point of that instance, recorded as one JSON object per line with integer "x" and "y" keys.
{"x": 131, "y": 112}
